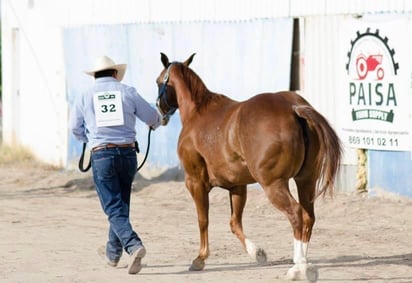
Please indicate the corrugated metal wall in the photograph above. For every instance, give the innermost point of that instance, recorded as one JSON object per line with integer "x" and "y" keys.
{"x": 79, "y": 12}
{"x": 320, "y": 80}
{"x": 320, "y": 56}
{"x": 236, "y": 59}
{"x": 321, "y": 34}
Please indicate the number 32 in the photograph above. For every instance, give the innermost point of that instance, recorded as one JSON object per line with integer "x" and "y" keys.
{"x": 108, "y": 108}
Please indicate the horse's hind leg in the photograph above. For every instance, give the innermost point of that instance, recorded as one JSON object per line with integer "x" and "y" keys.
{"x": 307, "y": 193}
{"x": 238, "y": 196}
{"x": 300, "y": 220}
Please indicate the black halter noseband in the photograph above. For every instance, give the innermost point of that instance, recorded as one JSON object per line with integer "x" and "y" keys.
{"x": 162, "y": 97}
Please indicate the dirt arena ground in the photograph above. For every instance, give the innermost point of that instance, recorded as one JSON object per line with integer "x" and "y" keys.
{"x": 51, "y": 226}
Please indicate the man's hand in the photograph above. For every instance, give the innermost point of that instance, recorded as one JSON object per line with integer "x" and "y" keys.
{"x": 164, "y": 120}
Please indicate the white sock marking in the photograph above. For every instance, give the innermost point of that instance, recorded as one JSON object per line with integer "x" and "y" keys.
{"x": 299, "y": 251}
{"x": 250, "y": 248}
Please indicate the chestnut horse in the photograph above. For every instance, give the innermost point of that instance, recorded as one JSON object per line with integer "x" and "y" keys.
{"x": 269, "y": 139}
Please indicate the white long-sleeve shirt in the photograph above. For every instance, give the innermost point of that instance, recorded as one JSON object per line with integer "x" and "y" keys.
{"x": 84, "y": 123}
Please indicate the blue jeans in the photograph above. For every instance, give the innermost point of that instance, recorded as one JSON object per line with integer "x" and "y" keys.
{"x": 113, "y": 173}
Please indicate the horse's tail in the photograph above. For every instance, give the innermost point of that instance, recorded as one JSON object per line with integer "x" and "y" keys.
{"x": 328, "y": 157}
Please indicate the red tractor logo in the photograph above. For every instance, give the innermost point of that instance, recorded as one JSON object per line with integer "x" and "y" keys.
{"x": 369, "y": 64}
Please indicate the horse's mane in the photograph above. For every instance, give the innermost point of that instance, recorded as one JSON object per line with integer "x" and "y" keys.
{"x": 201, "y": 96}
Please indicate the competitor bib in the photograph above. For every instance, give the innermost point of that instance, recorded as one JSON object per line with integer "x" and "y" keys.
{"x": 108, "y": 108}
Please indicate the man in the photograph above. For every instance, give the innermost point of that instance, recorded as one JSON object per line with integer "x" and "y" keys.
{"x": 105, "y": 117}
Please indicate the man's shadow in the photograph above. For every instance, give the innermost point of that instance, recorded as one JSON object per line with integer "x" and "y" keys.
{"x": 140, "y": 182}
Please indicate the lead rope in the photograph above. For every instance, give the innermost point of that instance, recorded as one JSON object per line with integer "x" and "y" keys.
{"x": 81, "y": 160}
{"x": 81, "y": 168}
{"x": 147, "y": 150}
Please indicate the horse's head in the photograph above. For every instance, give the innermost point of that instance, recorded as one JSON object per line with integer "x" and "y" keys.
{"x": 167, "y": 100}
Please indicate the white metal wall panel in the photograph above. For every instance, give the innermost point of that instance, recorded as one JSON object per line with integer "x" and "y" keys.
{"x": 37, "y": 91}
{"x": 237, "y": 59}
{"x": 374, "y": 6}
{"x": 40, "y": 22}
{"x": 306, "y": 8}
{"x": 320, "y": 47}
{"x": 320, "y": 54}
{"x": 80, "y": 12}
{"x": 334, "y": 7}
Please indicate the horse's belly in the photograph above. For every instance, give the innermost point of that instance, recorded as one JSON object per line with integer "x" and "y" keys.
{"x": 230, "y": 176}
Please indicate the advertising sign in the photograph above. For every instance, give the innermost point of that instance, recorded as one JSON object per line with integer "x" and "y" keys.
{"x": 375, "y": 102}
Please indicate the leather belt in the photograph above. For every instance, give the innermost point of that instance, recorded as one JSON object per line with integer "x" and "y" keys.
{"x": 112, "y": 145}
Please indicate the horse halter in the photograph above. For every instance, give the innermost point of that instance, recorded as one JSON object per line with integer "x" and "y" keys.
{"x": 162, "y": 97}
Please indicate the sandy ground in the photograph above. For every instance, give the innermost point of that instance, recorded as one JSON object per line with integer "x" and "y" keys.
{"x": 51, "y": 226}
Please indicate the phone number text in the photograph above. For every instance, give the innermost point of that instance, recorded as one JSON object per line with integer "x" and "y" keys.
{"x": 373, "y": 141}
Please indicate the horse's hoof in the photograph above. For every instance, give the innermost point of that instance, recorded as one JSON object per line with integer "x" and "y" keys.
{"x": 197, "y": 265}
{"x": 297, "y": 272}
{"x": 293, "y": 274}
{"x": 302, "y": 271}
{"x": 261, "y": 256}
{"x": 312, "y": 273}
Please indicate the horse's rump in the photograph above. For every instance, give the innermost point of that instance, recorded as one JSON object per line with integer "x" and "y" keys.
{"x": 288, "y": 118}
{"x": 270, "y": 135}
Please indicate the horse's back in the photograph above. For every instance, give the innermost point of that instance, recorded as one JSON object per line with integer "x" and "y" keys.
{"x": 280, "y": 99}
{"x": 274, "y": 111}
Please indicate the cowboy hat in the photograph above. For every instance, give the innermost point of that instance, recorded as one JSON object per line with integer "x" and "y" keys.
{"x": 105, "y": 63}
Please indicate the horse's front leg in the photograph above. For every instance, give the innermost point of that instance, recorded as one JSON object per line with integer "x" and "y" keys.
{"x": 200, "y": 195}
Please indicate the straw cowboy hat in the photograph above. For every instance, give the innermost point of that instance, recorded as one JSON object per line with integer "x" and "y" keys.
{"x": 105, "y": 63}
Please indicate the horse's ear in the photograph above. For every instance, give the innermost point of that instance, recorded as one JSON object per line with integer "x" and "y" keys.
{"x": 164, "y": 59}
{"x": 189, "y": 60}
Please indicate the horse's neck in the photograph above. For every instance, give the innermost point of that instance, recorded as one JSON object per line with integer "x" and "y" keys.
{"x": 196, "y": 98}
{"x": 185, "y": 102}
